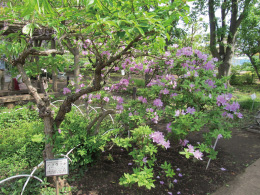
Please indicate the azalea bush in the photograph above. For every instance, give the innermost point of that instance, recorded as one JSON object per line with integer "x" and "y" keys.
{"x": 183, "y": 91}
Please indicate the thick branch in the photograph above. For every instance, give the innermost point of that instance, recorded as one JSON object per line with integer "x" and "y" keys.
{"x": 212, "y": 22}
{"x": 99, "y": 119}
{"x": 31, "y": 51}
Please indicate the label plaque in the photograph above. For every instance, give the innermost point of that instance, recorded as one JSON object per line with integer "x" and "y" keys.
{"x": 54, "y": 167}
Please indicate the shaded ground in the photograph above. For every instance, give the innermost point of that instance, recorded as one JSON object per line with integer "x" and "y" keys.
{"x": 234, "y": 155}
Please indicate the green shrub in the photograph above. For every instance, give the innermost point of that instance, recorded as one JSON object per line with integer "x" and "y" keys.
{"x": 247, "y": 78}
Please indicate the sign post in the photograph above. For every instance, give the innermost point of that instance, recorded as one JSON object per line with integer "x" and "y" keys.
{"x": 253, "y": 96}
{"x": 56, "y": 167}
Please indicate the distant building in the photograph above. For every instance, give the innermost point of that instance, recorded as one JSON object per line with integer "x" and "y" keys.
{"x": 239, "y": 60}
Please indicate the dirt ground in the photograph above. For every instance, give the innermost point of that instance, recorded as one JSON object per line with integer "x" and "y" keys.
{"x": 234, "y": 156}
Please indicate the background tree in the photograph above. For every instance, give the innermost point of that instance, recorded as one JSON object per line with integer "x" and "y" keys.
{"x": 223, "y": 29}
{"x": 249, "y": 37}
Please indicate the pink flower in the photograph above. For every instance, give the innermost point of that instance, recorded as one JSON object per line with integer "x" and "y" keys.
{"x": 59, "y": 130}
{"x": 142, "y": 99}
{"x": 168, "y": 128}
{"x": 190, "y": 148}
{"x": 116, "y": 68}
{"x": 149, "y": 110}
{"x": 184, "y": 142}
{"x": 165, "y": 91}
{"x": 158, "y": 102}
{"x": 106, "y": 99}
{"x": 198, "y": 155}
{"x": 66, "y": 90}
{"x": 191, "y": 110}
{"x": 145, "y": 159}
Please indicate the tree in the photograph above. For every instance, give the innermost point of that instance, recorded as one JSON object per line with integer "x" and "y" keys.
{"x": 223, "y": 29}
{"x": 109, "y": 31}
{"x": 249, "y": 37}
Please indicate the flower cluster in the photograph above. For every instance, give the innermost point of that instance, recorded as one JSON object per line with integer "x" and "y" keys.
{"x": 223, "y": 100}
{"x": 122, "y": 85}
{"x": 158, "y": 138}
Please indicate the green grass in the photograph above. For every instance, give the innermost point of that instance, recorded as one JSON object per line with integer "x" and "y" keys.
{"x": 243, "y": 95}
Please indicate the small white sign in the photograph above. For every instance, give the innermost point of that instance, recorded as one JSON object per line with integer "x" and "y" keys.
{"x": 55, "y": 167}
{"x": 253, "y": 96}
{"x": 123, "y": 72}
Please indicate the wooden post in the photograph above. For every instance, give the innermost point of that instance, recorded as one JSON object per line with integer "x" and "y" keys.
{"x": 54, "y": 73}
{"x": 57, "y": 184}
{"x": 68, "y": 78}
{"x": 134, "y": 93}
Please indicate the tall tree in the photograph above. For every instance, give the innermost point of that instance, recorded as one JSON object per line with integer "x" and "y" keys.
{"x": 223, "y": 29}
{"x": 108, "y": 29}
{"x": 249, "y": 37}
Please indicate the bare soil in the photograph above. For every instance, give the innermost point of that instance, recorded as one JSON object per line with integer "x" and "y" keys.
{"x": 234, "y": 155}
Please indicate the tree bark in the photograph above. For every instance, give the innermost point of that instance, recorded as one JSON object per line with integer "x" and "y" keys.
{"x": 254, "y": 65}
{"x": 54, "y": 72}
{"x": 48, "y": 131}
{"x": 76, "y": 67}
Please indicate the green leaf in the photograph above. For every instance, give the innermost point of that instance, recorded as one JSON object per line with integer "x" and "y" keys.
{"x": 27, "y": 28}
{"x": 38, "y": 138}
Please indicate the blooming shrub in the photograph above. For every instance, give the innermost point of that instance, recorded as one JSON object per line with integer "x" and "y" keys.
{"x": 184, "y": 91}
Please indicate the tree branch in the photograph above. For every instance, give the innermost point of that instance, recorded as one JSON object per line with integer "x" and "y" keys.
{"x": 99, "y": 119}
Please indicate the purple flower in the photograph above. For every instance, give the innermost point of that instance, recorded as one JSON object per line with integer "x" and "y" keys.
{"x": 165, "y": 91}
{"x": 166, "y": 144}
{"x": 178, "y": 169}
{"x": 66, "y": 90}
{"x": 158, "y": 102}
{"x": 116, "y": 68}
{"x": 119, "y": 107}
{"x": 230, "y": 115}
{"x": 155, "y": 118}
{"x": 106, "y": 99}
{"x": 191, "y": 85}
{"x": 158, "y": 177}
{"x": 177, "y": 112}
{"x": 149, "y": 110}
{"x": 145, "y": 159}
{"x": 59, "y": 130}
{"x": 239, "y": 115}
{"x": 180, "y": 175}
{"x": 162, "y": 182}
{"x": 130, "y": 164}
{"x": 220, "y": 136}
{"x": 175, "y": 181}
{"x": 191, "y": 110}
{"x": 97, "y": 96}
{"x": 198, "y": 155}
{"x": 142, "y": 99}
{"x": 170, "y": 193}
{"x": 190, "y": 148}
{"x": 168, "y": 128}
{"x": 178, "y": 192}
{"x": 157, "y": 137}
{"x": 184, "y": 142}
{"x": 81, "y": 85}
{"x": 222, "y": 169}
{"x": 210, "y": 83}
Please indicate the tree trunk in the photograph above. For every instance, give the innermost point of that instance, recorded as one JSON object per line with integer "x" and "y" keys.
{"x": 254, "y": 65}
{"x": 54, "y": 72}
{"x": 48, "y": 131}
{"x": 76, "y": 69}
